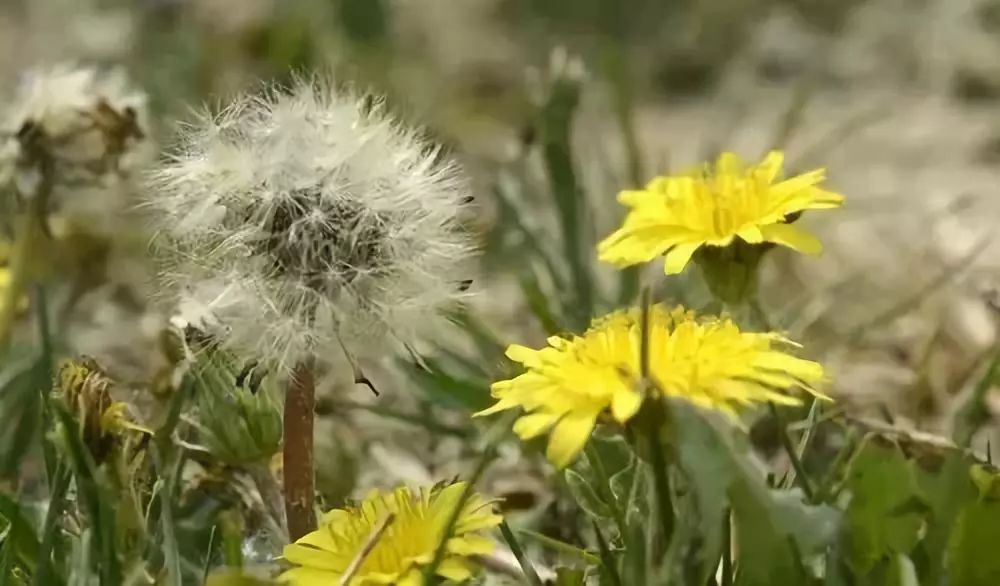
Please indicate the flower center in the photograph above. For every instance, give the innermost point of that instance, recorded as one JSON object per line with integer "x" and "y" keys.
{"x": 324, "y": 244}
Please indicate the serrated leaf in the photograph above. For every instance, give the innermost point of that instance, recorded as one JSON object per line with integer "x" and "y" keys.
{"x": 775, "y": 530}
{"x": 586, "y": 496}
{"x": 884, "y": 517}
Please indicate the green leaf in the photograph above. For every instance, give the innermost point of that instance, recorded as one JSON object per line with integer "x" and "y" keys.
{"x": 20, "y": 540}
{"x": 21, "y": 389}
{"x": 901, "y": 572}
{"x": 948, "y": 490}
{"x": 767, "y": 553}
{"x": 446, "y": 390}
{"x": 94, "y": 497}
{"x": 556, "y": 127}
{"x": 972, "y": 558}
{"x": 775, "y": 530}
{"x": 887, "y": 507}
{"x": 587, "y": 496}
{"x": 570, "y": 577}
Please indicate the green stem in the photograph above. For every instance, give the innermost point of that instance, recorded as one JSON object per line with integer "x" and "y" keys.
{"x": 495, "y": 436}
{"x": 559, "y": 546}
{"x": 28, "y": 234}
{"x": 518, "y": 551}
{"x": 607, "y": 560}
{"x": 974, "y": 413}
{"x": 786, "y": 442}
{"x": 60, "y": 485}
{"x": 661, "y": 481}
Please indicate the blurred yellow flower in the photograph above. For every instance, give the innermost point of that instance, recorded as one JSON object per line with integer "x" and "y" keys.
{"x": 393, "y": 535}
{"x": 677, "y": 215}
{"x": 5, "y": 277}
{"x": 706, "y": 360}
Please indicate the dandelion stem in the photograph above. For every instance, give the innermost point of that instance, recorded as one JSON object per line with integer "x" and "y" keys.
{"x": 300, "y": 401}
{"x": 658, "y": 462}
{"x": 367, "y": 548}
{"x": 654, "y": 418}
{"x": 28, "y": 233}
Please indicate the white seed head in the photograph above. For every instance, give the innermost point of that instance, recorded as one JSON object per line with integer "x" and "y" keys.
{"x": 80, "y": 132}
{"x": 304, "y": 220}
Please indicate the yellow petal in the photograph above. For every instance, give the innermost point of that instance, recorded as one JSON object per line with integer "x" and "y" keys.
{"x": 471, "y": 545}
{"x": 569, "y": 436}
{"x": 314, "y": 558}
{"x": 309, "y": 577}
{"x": 729, "y": 164}
{"x": 534, "y": 425}
{"x": 790, "y": 236}
{"x": 522, "y": 354}
{"x": 770, "y": 167}
{"x": 679, "y": 256}
{"x": 625, "y": 404}
{"x": 455, "y": 569}
{"x": 751, "y": 234}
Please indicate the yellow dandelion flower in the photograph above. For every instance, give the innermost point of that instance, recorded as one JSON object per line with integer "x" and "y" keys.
{"x": 390, "y": 536}
{"x": 677, "y": 215}
{"x": 706, "y": 360}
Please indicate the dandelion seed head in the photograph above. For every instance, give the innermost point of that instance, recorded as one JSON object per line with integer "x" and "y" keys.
{"x": 305, "y": 218}
{"x": 79, "y": 130}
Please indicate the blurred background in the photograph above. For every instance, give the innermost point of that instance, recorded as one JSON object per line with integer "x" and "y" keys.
{"x": 899, "y": 99}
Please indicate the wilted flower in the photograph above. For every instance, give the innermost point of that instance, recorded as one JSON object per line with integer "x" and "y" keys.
{"x": 72, "y": 135}
{"x": 393, "y": 535}
{"x": 86, "y": 390}
{"x": 677, "y": 215}
{"x": 706, "y": 360}
{"x": 302, "y": 220}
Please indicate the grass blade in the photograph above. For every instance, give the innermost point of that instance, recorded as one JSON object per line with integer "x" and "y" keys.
{"x": 518, "y": 551}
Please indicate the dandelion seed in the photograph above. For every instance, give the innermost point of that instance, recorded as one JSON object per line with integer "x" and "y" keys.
{"x": 706, "y": 360}
{"x": 677, "y": 215}
{"x": 393, "y": 552}
{"x": 302, "y": 221}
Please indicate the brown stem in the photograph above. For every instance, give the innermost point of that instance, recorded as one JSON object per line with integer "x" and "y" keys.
{"x": 300, "y": 401}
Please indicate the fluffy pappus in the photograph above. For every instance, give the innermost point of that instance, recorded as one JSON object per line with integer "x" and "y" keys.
{"x": 74, "y": 135}
{"x": 306, "y": 219}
